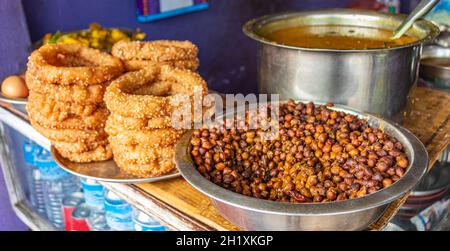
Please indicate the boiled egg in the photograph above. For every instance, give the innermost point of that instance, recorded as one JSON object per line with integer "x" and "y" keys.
{"x": 14, "y": 87}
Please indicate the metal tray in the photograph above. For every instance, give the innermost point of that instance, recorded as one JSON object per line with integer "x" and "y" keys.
{"x": 106, "y": 171}
{"x": 14, "y": 101}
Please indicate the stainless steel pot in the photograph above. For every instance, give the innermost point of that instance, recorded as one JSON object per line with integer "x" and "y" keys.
{"x": 374, "y": 80}
{"x": 356, "y": 214}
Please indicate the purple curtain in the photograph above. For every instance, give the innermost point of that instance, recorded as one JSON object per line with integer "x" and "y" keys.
{"x": 14, "y": 38}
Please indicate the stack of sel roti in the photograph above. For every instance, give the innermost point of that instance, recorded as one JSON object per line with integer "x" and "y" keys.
{"x": 137, "y": 55}
{"x": 91, "y": 109}
{"x": 67, "y": 83}
{"x": 142, "y": 104}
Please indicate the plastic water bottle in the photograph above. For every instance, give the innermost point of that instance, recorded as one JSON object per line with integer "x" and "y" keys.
{"x": 56, "y": 184}
{"x": 118, "y": 212}
{"x": 143, "y": 222}
{"x": 97, "y": 221}
{"x": 34, "y": 176}
{"x": 93, "y": 194}
{"x": 391, "y": 6}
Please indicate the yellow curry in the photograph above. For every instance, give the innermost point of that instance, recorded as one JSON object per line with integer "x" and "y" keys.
{"x": 337, "y": 37}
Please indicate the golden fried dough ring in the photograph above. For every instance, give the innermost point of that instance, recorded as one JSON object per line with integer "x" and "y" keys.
{"x": 135, "y": 65}
{"x": 151, "y": 138}
{"x": 70, "y": 135}
{"x": 142, "y": 155}
{"x": 79, "y": 147}
{"x": 96, "y": 120}
{"x": 67, "y": 93}
{"x": 98, "y": 154}
{"x": 129, "y": 123}
{"x": 156, "y": 51}
{"x": 154, "y": 169}
{"x": 68, "y": 64}
{"x": 59, "y": 111}
{"x": 121, "y": 99}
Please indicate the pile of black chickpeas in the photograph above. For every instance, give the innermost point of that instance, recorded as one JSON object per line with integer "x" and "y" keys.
{"x": 318, "y": 155}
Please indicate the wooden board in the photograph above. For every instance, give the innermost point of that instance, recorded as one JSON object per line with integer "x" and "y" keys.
{"x": 180, "y": 195}
{"x": 429, "y": 120}
{"x": 147, "y": 203}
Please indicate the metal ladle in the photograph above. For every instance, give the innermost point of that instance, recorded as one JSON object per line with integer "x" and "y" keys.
{"x": 421, "y": 9}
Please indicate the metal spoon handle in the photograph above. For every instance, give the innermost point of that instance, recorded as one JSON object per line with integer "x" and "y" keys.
{"x": 422, "y": 8}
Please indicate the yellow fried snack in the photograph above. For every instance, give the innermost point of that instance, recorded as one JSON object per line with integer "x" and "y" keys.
{"x": 96, "y": 37}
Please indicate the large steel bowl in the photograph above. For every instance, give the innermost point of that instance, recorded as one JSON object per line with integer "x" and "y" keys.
{"x": 356, "y": 214}
{"x": 435, "y": 66}
{"x": 373, "y": 80}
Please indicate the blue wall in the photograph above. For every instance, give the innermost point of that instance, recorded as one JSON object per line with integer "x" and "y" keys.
{"x": 228, "y": 58}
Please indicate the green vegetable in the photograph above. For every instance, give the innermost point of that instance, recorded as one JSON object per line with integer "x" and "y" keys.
{"x": 55, "y": 38}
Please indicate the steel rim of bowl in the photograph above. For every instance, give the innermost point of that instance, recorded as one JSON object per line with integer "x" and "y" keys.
{"x": 416, "y": 170}
{"x": 250, "y": 27}
{"x": 433, "y": 52}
